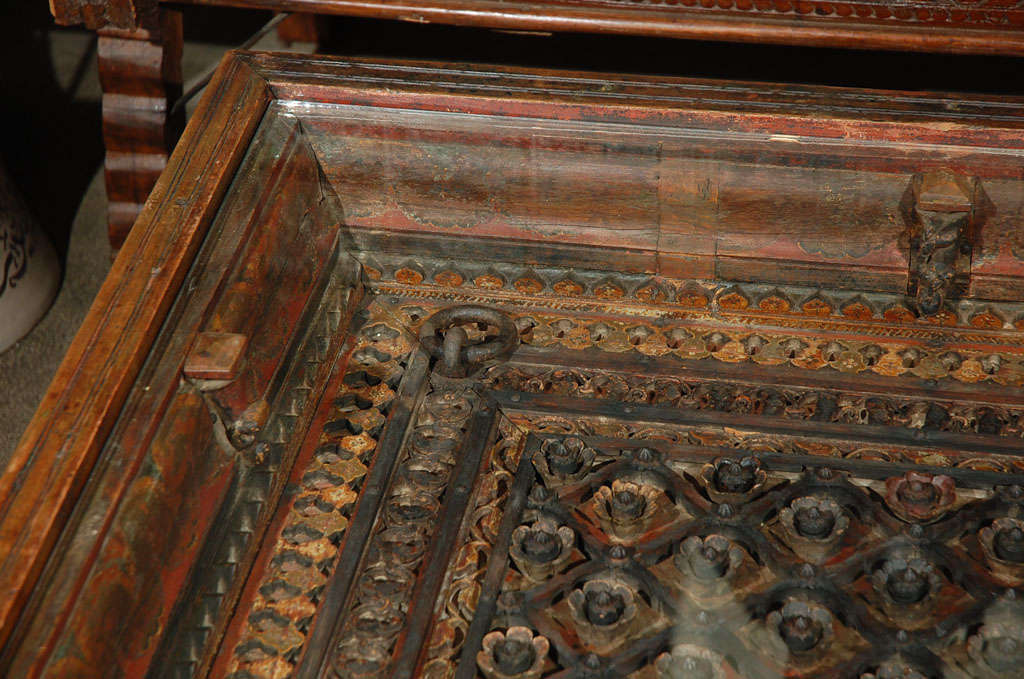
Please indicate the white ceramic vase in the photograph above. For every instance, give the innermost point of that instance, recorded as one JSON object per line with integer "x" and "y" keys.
{"x": 29, "y": 269}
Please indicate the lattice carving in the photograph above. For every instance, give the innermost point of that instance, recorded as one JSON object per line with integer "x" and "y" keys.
{"x": 819, "y": 574}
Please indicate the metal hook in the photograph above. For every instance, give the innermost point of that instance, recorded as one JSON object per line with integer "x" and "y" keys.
{"x": 442, "y": 336}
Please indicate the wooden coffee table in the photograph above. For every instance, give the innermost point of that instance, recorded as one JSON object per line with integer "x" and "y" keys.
{"x": 410, "y": 370}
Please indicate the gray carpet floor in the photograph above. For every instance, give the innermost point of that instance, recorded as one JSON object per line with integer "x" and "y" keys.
{"x": 50, "y": 142}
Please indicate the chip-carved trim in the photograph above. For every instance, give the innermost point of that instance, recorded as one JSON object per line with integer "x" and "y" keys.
{"x": 553, "y": 287}
{"x": 894, "y": 356}
{"x": 316, "y": 517}
{"x": 395, "y": 554}
{"x": 471, "y": 557}
{"x": 815, "y": 404}
{"x": 214, "y": 579}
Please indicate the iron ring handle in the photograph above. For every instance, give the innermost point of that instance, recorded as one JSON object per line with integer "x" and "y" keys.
{"x": 446, "y": 341}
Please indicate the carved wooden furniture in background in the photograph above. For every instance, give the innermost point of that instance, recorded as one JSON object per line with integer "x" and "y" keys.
{"x": 963, "y": 26}
{"x": 141, "y": 46}
{"x": 140, "y": 72}
{"x": 416, "y": 371}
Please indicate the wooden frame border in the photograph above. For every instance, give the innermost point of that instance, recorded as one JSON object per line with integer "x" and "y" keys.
{"x": 57, "y": 452}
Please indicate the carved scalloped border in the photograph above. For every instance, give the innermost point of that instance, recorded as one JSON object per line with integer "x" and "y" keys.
{"x": 891, "y": 357}
{"x": 795, "y": 306}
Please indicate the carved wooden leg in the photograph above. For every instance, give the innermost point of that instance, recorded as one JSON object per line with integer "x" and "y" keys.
{"x": 140, "y": 72}
{"x": 303, "y": 28}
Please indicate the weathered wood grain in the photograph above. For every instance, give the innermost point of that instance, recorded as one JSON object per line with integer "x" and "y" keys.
{"x": 923, "y": 25}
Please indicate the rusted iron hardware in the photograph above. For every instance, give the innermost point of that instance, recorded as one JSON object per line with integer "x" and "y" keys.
{"x": 458, "y": 355}
{"x": 941, "y": 211}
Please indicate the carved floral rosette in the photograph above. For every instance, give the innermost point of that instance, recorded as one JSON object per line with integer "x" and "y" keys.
{"x": 688, "y": 660}
{"x": 908, "y": 585}
{"x": 813, "y": 526}
{"x": 733, "y": 481}
{"x": 800, "y": 629}
{"x": 919, "y": 497}
{"x": 708, "y": 564}
{"x": 1002, "y": 545}
{"x": 625, "y": 509}
{"x": 513, "y": 654}
{"x": 563, "y": 461}
{"x": 603, "y": 610}
{"x": 541, "y": 549}
{"x": 997, "y": 650}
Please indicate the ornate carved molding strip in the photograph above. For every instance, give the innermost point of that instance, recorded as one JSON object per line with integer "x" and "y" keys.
{"x": 383, "y": 617}
{"x": 459, "y": 598}
{"x": 716, "y": 435}
{"x": 421, "y": 613}
{"x": 763, "y": 399}
{"x": 376, "y": 611}
{"x": 243, "y": 518}
{"x": 956, "y": 445}
{"x": 960, "y": 361}
{"x": 890, "y": 358}
{"x": 580, "y": 289}
{"x": 490, "y": 584}
{"x": 317, "y": 518}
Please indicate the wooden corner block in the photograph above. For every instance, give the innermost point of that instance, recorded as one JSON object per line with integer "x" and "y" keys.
{"x": 216, "y": 356}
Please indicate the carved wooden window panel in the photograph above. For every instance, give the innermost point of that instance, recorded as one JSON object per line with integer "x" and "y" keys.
{"x": 812, "y": 514}
{"x": 397, "y": 549}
